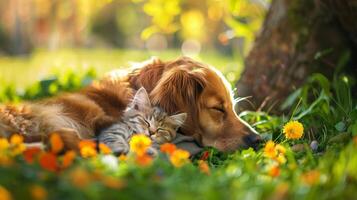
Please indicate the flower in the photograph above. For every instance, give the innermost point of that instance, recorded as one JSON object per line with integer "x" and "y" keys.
{"x": 88, "y": 152}
{"x": 80, "y": 178}
{"x": 143, "y": 160}
{"x": 269, "y": 149}
{"x": 122, "y": 158}
{"x": 293, "y": 130}
{"x": 203, "y": 166}
{"x": 4, "y": 144}
{"x": 274, "y": 171}
{"x": 168, "y": 148}
{"x": 38, "y": 192}
{"x": 4, "y": 194}
{"x": 311, "y": 177}
{"x": 179, "y": 157}
{"x": 139, "y": 144}
{"x": 17, "y": 145}
{"x": 104, "y": 149}
{"x": 112, "y": 182}
{"x": 87, "y": 148}
{"x": 110, "y": 161}
{"x": 30, "y": 153}
{"x": 68, "y": 159}
{"x": 48, "y": 161}
{"x": 56, "y": 143}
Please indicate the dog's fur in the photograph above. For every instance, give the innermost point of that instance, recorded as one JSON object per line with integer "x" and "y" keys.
{"x": 182, "y": 85}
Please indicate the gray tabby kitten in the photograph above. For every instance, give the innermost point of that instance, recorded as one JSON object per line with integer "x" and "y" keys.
{"x": 140, "y": 117}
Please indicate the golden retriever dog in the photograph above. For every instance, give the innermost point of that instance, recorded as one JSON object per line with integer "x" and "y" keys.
{"x": 181, "y": 85}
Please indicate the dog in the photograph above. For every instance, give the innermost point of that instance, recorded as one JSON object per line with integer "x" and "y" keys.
{"x": 181, "y": 85}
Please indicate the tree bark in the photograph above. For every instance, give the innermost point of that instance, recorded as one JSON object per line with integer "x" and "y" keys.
{"x": 298, "y": 38}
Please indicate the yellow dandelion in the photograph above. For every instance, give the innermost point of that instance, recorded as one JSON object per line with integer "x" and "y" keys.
{"x": 88, "y": 152}
{"x": 204, "y": 167}
{"x": 280, "y": 149}
{"x": 179, "y": 157}
{"x": 280, "y": 159}
{"x": 104, "y": 149}
{"x": 293, "y": 130}
{"x": 139, "y": 144}
{"x": 269, "y": 149}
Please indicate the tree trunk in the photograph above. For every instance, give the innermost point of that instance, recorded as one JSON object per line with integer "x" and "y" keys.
{"x": 298, "y": 38}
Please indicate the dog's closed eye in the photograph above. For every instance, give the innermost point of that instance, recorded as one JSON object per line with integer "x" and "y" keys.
{"x": 218, "y": 109}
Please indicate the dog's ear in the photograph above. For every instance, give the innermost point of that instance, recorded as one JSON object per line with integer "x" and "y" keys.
{"x": 179, "y": 89}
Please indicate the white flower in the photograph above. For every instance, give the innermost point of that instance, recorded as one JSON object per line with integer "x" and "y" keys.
{"x": 110, "y": 161}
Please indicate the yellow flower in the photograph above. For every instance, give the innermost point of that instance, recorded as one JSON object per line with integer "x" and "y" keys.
{"x": 4, "y": 194}
{"x": 4, "y": 144}
{"x": 281, "y": 158}
{"x": 179, "y": 157}
{"x": 88, "y": 152}
{"x": 17, "y": 145}
{"x": 80, "y": 178}
{"x": 139, "y": 144}
{"x": 280, "y": 148}
{"x": 38, "y": 192}
{"x": 293, "y": 130}
{"x": 269, "y": 149}
{"x": 87, "y": 148}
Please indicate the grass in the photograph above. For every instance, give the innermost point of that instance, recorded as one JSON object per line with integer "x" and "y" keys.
{"x": 320, "y": 165}
{"x": 21, "y": 72}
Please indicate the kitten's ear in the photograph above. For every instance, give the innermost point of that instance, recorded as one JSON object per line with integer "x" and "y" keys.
{"x": 179, "y": 119}
{"x": 141, "y": 100}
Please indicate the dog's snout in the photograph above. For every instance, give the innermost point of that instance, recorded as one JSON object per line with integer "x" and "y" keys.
{"x": 253, "y": 140}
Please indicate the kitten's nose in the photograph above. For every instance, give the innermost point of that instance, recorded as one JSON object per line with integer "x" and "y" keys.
{"x": 152, "y": 131}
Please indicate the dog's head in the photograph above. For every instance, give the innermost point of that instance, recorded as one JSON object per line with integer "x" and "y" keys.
{"x": 205, "y": 95}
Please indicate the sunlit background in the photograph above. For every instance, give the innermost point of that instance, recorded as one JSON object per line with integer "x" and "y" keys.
{"x": 41, "y": 37}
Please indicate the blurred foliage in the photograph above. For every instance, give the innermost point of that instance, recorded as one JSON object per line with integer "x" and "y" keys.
{"x": 226, "y": 25}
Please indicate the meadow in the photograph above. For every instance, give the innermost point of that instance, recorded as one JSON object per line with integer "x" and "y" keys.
{"x": 309, "y": 152}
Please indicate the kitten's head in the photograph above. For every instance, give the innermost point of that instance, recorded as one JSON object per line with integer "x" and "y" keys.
{"x": 151, "y": 120}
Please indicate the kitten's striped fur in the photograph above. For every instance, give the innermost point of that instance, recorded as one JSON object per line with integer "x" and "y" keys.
{"x": 141, "y": 117}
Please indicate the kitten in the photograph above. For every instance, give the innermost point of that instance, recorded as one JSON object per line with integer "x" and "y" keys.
{"x": 140, "y": 117}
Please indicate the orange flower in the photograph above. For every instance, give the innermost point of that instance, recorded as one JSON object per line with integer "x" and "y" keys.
{"x": 179, "y": 157}
{"x": 143, "y": 160}
{"x": 122, "y": 158}
{"x": 203, "y": 166}
{"x": 48, "y": 161}
{"x": 68, "y": 158}
{"x": 87, "y": 143}
{"x": 30, "y": 153}
{"x": 274, "y": 171}
{"x": 112, "y": 182}
{"x": 56, "y": 143}
{"x": 80, "y": 178}
{"x": 168, "y": 148}
{"x": 4, "y": 194}
{"x": 87, "y": 148}
{"x": 311, "y": 177}
{"x": 38, "y": 192}
{"x": 5, "y": 160}
{"x": 139, "y": 144}
{"x": 104, "y": 149}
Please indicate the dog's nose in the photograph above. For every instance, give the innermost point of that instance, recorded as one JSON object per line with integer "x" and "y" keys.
{"x": 253, "y": 140}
